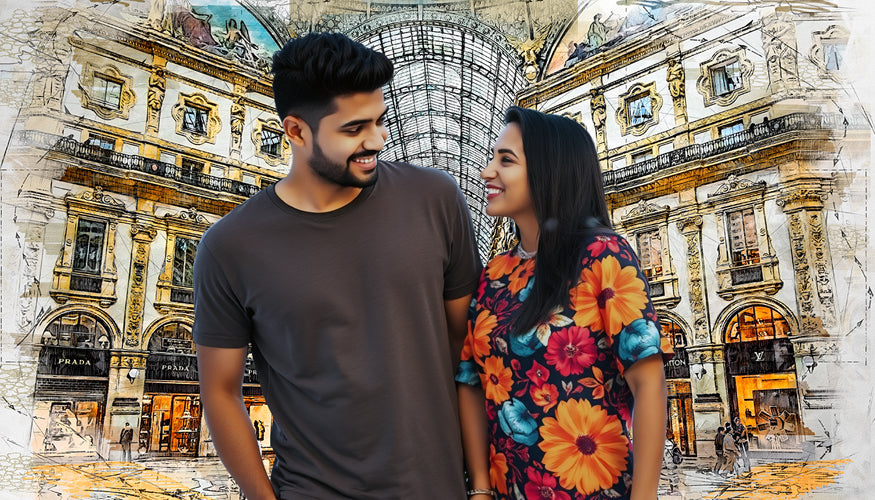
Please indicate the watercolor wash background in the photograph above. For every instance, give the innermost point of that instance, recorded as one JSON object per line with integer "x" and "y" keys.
{"x": 856, "y": 417}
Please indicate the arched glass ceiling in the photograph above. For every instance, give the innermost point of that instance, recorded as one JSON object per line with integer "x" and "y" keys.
{"x": 446, "y": 101}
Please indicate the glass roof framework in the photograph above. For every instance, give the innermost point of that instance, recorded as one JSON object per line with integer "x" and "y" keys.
{"x": 446, "y": 102}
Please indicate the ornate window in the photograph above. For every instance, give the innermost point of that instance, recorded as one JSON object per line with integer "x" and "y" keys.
{"x": 189, "y": 169}
{"x": 100, "y": 142}
{"x": 743, "y": 246}
{"x": 641, "y": 156}
{"x": 106, "y": 91}
{"x": 638, "y": 109}
{"x": 730, "y": 129}
{"x": 194, "y": 119}
{"x": 647, "y": 225}
{"x": 724, "y": 77}
{"x": 746, "y": 261}
{"x": 828, "y": 49}
{"x": 270, "y": 142}
{"x": 650, "y": 253}
{"x": 175, "y": 284}
{"x": 183, "y": 270}
{"x": 197, "y": 118}
{"x": 86, "y": 268}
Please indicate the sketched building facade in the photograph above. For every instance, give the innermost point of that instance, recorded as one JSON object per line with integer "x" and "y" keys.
{"x": 141, "y": 133}
{"x": 722, "y": 135}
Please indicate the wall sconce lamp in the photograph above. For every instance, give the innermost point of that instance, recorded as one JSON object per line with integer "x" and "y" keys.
{"x": 698, "y": 368}
{"x": 132, "y": 375}
{"x": 808, "y": 361}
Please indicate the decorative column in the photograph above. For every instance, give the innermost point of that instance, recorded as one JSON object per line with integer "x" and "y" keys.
{"x": 818, "y": 360}
{"x": 803, "y": 204}
{"x": 677, "y": 87}
{"x": 155, "y": 96}
{"x": 599, "y": 114}
{"x": 142, "y": 236}
{"x": 710, "y": 393}
{"x": 124, "y": 398}
{"x": 779, "y": 43}
{"x": 691, "y": 227}
{"x": 238, "y": 118}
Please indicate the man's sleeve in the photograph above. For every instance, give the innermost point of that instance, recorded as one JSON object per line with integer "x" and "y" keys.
{"x": 463, "y": 268}
{"x": 220, "y": 320}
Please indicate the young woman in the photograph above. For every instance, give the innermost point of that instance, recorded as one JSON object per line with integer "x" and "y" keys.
{"x": 563, "y": 340}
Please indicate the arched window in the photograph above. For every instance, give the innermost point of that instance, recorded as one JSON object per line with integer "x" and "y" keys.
{"x": 678, "y": 366}
{"x": 173, "y": 337}
{"x": 757, "y": 323}
{"x": 77, "y": 329}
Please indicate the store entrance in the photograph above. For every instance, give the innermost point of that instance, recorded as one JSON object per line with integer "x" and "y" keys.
{"x": 170, "y": 424}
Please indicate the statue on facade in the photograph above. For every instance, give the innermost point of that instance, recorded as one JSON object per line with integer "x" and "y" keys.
{"x": 238, "y": 42}
{"x": 155, "y": 97}
{"x": 238, "y": 117}
{"x": 599, "y": 113}
{"x": 597, "y": 33}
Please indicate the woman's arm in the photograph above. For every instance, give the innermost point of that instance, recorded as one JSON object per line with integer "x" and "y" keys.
{"x": 646, "y": 380}
{"x": 472, "y": 416}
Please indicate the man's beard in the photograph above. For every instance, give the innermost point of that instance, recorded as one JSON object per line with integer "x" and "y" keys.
{"x": 338, "y": 173}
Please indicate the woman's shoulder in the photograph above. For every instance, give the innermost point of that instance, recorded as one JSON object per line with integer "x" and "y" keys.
{"x": 606, "y": 242}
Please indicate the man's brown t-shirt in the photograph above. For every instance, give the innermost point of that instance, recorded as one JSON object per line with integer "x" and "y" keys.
{"x": 345, "y": 314}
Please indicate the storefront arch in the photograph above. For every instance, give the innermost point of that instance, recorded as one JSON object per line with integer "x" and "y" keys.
{"x": 102, "y": 317}
{"x": 681, "y": 422}
{"x": 761, "y": 372}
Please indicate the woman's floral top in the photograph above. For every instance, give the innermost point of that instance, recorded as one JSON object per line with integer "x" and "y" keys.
{"x": 558, "y": 407}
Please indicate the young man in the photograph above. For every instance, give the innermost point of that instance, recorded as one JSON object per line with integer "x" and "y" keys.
{"x": 351, "y": 278}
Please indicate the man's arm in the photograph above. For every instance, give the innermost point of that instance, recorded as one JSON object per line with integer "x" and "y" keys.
{"x": 221, "y": 378}
{"x": 457, "y": 324}
{"x": 646, "y": 380}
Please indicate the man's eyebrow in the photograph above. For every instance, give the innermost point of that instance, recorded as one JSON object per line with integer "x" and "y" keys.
{"x": 364, "y": 120}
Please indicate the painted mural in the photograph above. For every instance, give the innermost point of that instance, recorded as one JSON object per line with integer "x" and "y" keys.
{"x": 735, "y": 139}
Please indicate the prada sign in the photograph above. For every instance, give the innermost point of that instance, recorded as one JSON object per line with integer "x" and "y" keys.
{"x": 73, "y": 361}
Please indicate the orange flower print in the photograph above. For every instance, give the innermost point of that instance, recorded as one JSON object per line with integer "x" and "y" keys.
{"x": 477, "y": 341}
{"x": 596, "y": 383}
{"x": 608, "y": 293}
{"x": 497, "y": 379}
{"x": 584, "y": 446}
{"x": 545, "y": 396}
{"x": 498, "y": 470}
{"x": 520, "y": 276}
{"x": 501, "y": 265}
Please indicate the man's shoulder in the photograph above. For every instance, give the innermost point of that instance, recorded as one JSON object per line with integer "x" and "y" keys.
{"x": 417, "y": 174}
{"x": 227, "y": 229}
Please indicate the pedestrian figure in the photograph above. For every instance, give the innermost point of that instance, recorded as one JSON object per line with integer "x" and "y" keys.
{"x": 718, "y": 450}
{"x": 125, "y": 438}
{"x": 730, "y": 451}
{"x": 742, "y": 440}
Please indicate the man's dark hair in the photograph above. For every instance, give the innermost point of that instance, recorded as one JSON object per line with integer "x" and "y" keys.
{"x": 309, "y": 72}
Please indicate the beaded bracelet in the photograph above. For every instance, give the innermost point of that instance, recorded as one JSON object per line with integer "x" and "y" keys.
{"x": 473, "y": 492}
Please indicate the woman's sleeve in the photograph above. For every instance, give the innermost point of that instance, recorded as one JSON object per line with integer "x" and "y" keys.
{"x": 468, "y": 371}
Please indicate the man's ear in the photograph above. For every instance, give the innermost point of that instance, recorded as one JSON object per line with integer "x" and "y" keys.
{"x": 296, "y": 130}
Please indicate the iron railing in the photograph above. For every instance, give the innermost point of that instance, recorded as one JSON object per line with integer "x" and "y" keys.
{"x": 754, "y": 134}
{"x": 150, "y": 166}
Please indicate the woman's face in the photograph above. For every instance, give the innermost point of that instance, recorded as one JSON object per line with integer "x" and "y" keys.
{"x": 507, "y": 185}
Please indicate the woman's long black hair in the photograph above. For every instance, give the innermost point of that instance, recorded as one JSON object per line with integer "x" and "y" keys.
{"x": 568, "y": 194}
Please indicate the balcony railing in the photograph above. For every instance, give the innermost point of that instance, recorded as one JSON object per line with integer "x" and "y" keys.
{"x": 754, "y": 133}
{"x": 157, "y": 168}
